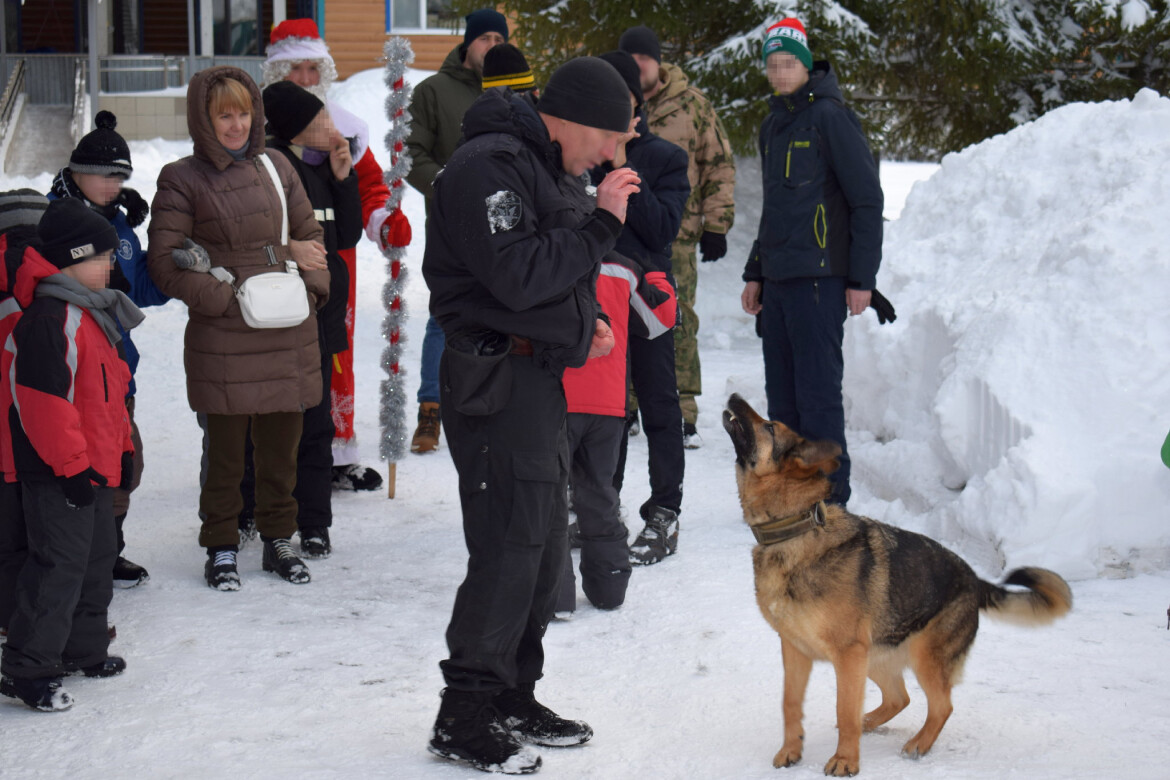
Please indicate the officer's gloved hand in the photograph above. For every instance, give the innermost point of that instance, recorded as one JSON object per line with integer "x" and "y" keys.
{"x": 192, "y": 257}
{"x": 712, "y": 246}
{"x": 885, "y": 310}
{"x": 78, "y": 489}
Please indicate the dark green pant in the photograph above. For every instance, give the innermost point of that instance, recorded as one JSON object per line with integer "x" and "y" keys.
{"x": 275, "y": 439}
{"x": 687, "y": 371}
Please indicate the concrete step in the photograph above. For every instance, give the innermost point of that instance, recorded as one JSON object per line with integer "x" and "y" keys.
{"x": 41, "y": 141}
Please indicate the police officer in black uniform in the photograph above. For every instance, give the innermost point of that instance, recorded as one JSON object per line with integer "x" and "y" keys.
{"x": 511, "y": 264}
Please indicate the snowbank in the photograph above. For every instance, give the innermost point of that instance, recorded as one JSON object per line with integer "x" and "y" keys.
{"x": 1026, "y": 372}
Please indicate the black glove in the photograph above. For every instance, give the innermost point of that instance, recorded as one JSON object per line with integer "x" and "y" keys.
{"x": 885, "y": 310}
{"x": 78, "y": 490}
{"x": 136, "y": 208}
{"x": 712, "y": 246}
{"x": 127, "y": 470}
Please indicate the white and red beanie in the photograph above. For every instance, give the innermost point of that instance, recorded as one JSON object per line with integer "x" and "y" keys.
{"x": 293, "y": 41}
{"x": 788, "y": 35}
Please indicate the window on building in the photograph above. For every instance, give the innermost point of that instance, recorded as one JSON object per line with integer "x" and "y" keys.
{"x": 428, "y": 15}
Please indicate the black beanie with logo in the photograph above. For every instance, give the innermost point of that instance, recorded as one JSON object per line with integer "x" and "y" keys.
{"x": 71, "y": 232}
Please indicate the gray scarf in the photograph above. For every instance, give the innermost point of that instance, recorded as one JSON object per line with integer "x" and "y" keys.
{"x": 105, "y": 305}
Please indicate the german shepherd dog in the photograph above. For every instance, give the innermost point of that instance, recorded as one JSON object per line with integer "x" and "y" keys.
{"x": 869, "y": 598}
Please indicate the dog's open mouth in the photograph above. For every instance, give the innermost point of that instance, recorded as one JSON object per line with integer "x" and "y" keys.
{"x": 738, "y": 427}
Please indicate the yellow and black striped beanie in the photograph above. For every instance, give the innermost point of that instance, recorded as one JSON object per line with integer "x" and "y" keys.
{"x": 505, "y": 66}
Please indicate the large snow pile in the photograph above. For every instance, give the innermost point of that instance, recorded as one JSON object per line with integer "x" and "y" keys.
{"x": 1026, "y": 372}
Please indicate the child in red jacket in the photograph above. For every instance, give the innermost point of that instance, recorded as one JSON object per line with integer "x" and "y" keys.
{"x": 644, "y": 304}
{"x": 70, "y": 443}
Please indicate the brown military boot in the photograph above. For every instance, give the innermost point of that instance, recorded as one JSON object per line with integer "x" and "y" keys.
{"x": 426, "y": 436}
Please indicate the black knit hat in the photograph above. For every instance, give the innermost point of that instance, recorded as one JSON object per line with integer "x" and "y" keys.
{"x": 102, "y": 151}
{"x": 482, "y": 21}
{"x": 71, "y": 232}
{"x": 627, "y": 67}
{"x": 504, "y": 66}
{"x": 588, "y": 91}
{"x": 289, "y": 109}
{"x": 21, "y": 207}
{"x": 641, "y": 40}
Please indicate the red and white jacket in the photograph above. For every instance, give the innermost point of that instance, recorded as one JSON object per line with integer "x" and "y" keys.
{"x": 643, "y": 304}
{"x": 68, "y": 386}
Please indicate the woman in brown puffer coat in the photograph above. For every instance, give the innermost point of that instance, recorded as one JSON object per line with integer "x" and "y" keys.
{"x": 223, "y": 199}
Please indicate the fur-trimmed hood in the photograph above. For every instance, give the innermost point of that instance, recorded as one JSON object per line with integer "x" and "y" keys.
{"x": 207, "y": 146}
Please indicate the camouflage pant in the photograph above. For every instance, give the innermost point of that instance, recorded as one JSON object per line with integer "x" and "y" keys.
{"x": 686, "y": 336}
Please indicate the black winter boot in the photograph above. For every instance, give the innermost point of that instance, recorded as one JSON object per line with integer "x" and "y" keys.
{"x": 127, "y": 574}
{"x": 220, "y": 570}
{"x": 315, "y": 542}
{"x": 280, "y": 558}
{"x": 531, "y": 721}
{"x": 658, "y": 539}
{"x": 468, "y": 729}
{"x": 44, "y": 693}
{"x": 112, "y": 666}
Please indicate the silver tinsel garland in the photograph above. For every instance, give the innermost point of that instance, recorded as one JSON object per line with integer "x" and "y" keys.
{"x": 392, "y": 414}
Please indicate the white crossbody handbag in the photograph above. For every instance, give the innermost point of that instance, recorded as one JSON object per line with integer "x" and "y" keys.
{"x": 275, "y": 299}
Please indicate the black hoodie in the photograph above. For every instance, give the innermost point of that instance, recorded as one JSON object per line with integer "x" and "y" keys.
{"x": 506, "y": 249}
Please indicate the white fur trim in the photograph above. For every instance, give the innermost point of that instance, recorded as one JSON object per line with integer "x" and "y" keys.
{"x": 351, "y": 126}
{"x": 374, "y": 224}
{"x": 298, "y": 50}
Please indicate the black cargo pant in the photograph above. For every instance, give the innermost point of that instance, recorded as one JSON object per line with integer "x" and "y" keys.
{"x": 64, "y": 588}
{"x": 513, "y": 474}
{"x": 13, "y": 546}
{"x": 594, "y": 441}
{"x": 653, "y": 377}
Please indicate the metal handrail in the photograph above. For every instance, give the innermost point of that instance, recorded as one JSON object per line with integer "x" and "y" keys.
{"x": 11, "y": 92}
{"x": 79, "y": 125}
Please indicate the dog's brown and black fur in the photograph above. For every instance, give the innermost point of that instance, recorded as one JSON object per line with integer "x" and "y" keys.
{"x": 867, "y": 597}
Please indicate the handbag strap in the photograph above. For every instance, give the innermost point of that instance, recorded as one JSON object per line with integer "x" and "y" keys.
{"x": 280, "y": 194}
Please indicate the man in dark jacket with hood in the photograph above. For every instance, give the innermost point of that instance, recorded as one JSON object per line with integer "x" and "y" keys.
{"x": 655, "y": 215}
{"x": 511, "y": 266}
{"x": 436, "y": 110}
{"x": 819, "y": 245}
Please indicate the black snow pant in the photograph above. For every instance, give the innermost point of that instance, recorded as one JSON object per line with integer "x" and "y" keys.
{"x": 803, "y": 326}
{"x": 13, "y": 546}
{"x": 513, "y": 477}
{"x": 314, "y": 490}
{"x": 594, "y": 441}
{"x": 652, "y": 374}
{"x": 64, "y": 588}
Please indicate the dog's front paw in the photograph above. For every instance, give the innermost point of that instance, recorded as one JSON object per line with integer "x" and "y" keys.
{"x": 842, "y": 766}
{"x": 788, "y": 755}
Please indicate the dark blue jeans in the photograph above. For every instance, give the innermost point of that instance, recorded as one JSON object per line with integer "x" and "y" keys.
{"x": 803, "y": 325}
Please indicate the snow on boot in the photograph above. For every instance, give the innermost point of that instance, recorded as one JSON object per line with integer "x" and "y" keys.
{"x": 659, "y": 537}
{"x": 468, "y": 729}
{"x": 356, "y": 477}
{"x": 691, "y": 438}
{"x": 247, "y": 530}
{"x": 220, "y": 570}
{"x": 426, "y": 435}
{"x": 315, "y": 542}
{"x": 280, "y": 558}
{"x": 44, "y": 693}
{"x": 111, "y": 667}
{"x": 531, "y": 721}
{"x": 127, "y": 574}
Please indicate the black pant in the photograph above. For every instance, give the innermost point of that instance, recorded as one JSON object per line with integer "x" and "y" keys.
{"x": 803, "y": 326}
{"x": 13, "y": 546}
{"x": 314, "y": 490}
{"x": 594, "y": 441}
{"x": 652, "y": 374}
{"x": 513, "y": 474}
{"x": 64, "y": 588}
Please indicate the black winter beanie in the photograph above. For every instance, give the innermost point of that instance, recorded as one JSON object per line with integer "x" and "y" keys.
{"x": 588, "y": 91}
{"x": 72, "y": 232}
{"x": 641, "y": 40}
{"x": 289, "y": 109}
{"x": 482, "y": 21}
{"x": 102, "y": 151}
{"x": 627, "y": 67}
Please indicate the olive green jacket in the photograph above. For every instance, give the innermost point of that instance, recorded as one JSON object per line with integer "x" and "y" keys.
{"x": 682, "y": 115}
{"x": 436, "y": 119}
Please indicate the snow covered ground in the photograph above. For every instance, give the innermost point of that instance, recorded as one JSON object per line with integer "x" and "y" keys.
{"x": 1014, "y": 411}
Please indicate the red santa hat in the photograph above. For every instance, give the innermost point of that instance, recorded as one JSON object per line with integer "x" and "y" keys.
{"x": 296, "y": 40}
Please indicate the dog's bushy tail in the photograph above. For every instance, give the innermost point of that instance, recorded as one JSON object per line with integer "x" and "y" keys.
{"x": 1047, "y": 598}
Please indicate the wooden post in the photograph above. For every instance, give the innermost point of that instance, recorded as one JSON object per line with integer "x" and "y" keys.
{"x": 391, "y": 476}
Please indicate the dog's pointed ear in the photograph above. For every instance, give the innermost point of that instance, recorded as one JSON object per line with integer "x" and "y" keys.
{"x": 818, "y": 454}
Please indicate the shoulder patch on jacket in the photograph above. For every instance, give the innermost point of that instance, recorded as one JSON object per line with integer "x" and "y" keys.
{"x": 503, "y": 211}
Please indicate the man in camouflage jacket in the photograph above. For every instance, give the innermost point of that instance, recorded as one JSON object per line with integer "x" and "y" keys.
{"x": 682, "y": 115}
